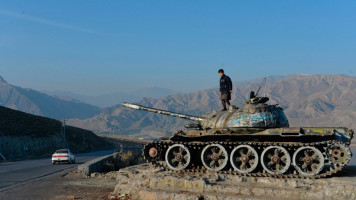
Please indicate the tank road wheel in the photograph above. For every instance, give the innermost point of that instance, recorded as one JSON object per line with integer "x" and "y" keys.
{"x": 214, "y": 157}
{"x": 275, "y": 160}
{"x": 244, "y": 159}
{"x": 308, "y": 161}
{"x": 339, "y": 154}
{"x": 178, "y": 157}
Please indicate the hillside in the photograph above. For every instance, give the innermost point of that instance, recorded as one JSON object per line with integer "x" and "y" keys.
{"x": 24, "y": 135}
{"x": 34, "y": 102}
{"x": 309, "y": 100}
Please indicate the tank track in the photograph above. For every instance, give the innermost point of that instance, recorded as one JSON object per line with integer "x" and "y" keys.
{"x": 329, "y": 167}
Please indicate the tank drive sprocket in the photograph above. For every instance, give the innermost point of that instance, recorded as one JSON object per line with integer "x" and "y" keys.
{"x": 339, "y": 154}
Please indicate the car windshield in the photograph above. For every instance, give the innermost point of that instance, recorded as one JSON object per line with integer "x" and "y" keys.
{"x": 62, "y": 151}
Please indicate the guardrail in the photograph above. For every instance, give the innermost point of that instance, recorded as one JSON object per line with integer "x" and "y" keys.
{"x": 95, "y": 165}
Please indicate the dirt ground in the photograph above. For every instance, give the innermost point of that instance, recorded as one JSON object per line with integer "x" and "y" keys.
{"x": 62, "y": 185}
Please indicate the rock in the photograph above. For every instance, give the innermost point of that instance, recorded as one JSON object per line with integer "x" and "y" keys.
{"x": 70, "y": 198}
{"x": 146, "y": 182}
{"x": 122, "y": 178}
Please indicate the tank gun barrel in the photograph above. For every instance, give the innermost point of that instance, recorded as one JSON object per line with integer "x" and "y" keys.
{"x": 163, "y": 112}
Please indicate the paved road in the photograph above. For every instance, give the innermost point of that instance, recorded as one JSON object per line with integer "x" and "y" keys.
{"x": 14, "y": 173}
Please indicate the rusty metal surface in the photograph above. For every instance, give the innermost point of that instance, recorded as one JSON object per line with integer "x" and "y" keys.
{"x": 252, "y": 115}
{"x": 162, "y": 112}
{"x": 258, "y": 116}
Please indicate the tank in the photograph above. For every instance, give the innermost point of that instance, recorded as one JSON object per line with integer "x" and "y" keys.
{"x": 255, "y": 140}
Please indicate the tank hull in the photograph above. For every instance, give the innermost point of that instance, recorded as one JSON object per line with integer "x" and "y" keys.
{"x": 262, "y": 134}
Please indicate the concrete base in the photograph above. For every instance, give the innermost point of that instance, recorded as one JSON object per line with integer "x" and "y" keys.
{"x": 95, "y": 165}
{"x": 145, "y": 182}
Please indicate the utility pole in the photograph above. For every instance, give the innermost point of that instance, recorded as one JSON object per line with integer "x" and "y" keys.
{"x": 3, "y": 157}
{"x": 64, "y": 133}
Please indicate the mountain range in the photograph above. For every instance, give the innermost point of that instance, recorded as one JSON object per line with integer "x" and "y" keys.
{"x": 38, "y": 103}
{"x": 111, "y": 99}
{"x": 308, "y": 100}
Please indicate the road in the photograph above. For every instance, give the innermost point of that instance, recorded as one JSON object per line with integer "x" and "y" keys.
{"x": 22, "y": 172}
{"x": 353, "y": 159}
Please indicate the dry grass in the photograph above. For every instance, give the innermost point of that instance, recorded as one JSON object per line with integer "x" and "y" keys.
{"x": 129, "y": 158}
{"x": 124, "y": 159}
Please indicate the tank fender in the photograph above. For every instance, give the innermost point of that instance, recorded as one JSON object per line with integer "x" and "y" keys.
{"x": 343, "y": 134}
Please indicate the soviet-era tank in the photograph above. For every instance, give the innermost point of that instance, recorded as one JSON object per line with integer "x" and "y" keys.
{"x": 255, "y": 140}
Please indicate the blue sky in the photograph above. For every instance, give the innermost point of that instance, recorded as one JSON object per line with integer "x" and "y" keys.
{"x": 95, "y": 47}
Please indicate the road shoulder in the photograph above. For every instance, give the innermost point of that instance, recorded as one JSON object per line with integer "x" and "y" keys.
{"x": 60, "y": 185}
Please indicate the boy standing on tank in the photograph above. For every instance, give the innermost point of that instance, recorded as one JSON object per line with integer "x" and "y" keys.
{"x": 225, "y": 89}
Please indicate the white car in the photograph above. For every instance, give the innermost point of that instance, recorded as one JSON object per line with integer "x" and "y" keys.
{"x": 63, "y": 155}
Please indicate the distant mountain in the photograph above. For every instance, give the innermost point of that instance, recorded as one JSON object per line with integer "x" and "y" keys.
{"x": 309, "y": 100}
{"x": 34, "y": 102}
{"x": 258, "y": 81}
{"x": 102, "y": 101}
{"x": 111, "y": 99}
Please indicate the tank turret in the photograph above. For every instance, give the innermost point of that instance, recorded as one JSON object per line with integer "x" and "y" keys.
{"x": 255, "y": 114}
